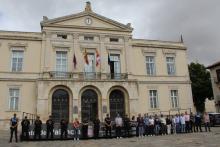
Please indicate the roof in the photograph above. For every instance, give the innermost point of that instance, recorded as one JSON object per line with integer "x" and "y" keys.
{"x": 213, "y": 65}
{"x": 86, "y": 12}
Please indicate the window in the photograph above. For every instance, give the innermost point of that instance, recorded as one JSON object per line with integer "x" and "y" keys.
{"x": 88, "y": 38}
{"x": 174, "y": 99}
{"x": 115, "y": 66}
{"x": 113, "y": 39}
{"x": 90, "y": 68}
{"x": 61, "y": 61}
{"x": 153, "y": 99}
{"x": 17, "y": 60}
{"x": 14, "y": 98}
{"x": 62, "y": 36}
{"x": 170, "y": 65}
{"x": 150, "y": 65}
{"x": 218, "y": 74}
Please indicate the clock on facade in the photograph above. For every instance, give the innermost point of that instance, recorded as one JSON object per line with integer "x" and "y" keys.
{"x": 88, "y": 21}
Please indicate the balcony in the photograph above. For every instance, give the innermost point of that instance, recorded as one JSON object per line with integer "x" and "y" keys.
{"x": 84, "y": 75}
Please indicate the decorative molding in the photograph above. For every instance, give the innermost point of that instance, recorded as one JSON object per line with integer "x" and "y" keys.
{"x": 173, "y": 87}
{"x": 169, "y": 51}
{"x": 18, "y": 46}
{"x": 152, "y": 87}
{"x": 14, "y": 85}
{"x": 61, "y": 46}
{"x": 146, "y": 51}
{"x": 88, "y": 47}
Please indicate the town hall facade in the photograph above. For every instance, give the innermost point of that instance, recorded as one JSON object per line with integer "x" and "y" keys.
{"x": 84, "y": 66}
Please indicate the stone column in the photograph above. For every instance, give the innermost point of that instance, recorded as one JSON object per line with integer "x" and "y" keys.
{"x": 128, "y": 54}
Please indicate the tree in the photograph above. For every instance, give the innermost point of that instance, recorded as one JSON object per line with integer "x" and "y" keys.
{"x": 201, "y": 85}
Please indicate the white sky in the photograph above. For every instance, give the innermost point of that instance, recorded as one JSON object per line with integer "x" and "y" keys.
{"x": 197, "y": 20}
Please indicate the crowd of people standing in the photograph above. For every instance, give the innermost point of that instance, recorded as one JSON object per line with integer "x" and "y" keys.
{"x": 143, "y": 125}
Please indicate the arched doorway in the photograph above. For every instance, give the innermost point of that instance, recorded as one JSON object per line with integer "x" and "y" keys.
{"x": 60, "y": 105}
{"x": 89, "y": 105}
{"x": 117, "y": 103}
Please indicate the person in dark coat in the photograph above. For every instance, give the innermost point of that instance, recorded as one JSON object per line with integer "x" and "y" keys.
{"x": 127, "y": 125}
{"x": 25, "y": 123}
{"x": 198, "y": 122}
{"x": 14, "y": 127}
{"x": 85, "y": 124}
{"x": 108, "y": 127}
{"x": 63, "y": 127}
{"x": 50, "y": 126}
{"x": 96, "y": 123}
{"x": 37, "y": 128}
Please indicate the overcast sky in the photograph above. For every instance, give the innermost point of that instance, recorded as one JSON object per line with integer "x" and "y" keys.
{"x": 197, "y": 20}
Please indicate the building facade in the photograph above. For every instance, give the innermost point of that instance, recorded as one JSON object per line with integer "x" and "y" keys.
{"x": 215, "y": 78}
{"x": 86, "y": 65}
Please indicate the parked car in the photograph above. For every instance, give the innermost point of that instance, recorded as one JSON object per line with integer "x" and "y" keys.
{"x": 214, "y": 119}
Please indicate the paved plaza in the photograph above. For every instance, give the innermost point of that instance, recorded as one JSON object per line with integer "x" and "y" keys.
{"x": 210, "y": 139}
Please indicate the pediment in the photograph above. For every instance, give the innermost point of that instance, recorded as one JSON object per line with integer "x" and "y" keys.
{"x": 79, "y": 21}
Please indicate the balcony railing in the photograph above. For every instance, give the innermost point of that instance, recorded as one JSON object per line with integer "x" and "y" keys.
{"x": 117, "y": 76}
{"x": 85, "y": 75}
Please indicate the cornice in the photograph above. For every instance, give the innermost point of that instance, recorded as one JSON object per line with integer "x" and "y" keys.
{"x": 7, "y": 37}
{"x": 86, "y": 27}
{"x": 159, "y": 46}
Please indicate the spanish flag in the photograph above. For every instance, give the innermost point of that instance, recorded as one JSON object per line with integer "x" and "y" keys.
{"x": 86, "y": 57}
{"x": 98, "y": 58}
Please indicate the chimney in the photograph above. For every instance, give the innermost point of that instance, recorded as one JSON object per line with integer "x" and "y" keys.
{"x": 129, "y": 24}
{"x": 45, "y": 18}
{"x": 88, "y": 7}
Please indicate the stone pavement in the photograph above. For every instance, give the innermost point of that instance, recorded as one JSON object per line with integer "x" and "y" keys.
{"x": 210, "y": 139}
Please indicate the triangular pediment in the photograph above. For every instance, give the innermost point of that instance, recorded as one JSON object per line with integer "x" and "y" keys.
{"x": 80, "y": 21}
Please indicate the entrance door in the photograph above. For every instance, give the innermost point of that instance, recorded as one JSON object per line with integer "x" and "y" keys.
{"x": 60, "y": 105}
{"x": 117, "y": 103}
{"x": 89, "y": 105}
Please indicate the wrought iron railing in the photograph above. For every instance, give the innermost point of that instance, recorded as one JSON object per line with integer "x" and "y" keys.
{"x": 85, "y": 75}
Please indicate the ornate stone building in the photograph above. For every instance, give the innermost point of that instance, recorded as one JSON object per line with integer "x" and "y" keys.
{"x": 86, "y": 65}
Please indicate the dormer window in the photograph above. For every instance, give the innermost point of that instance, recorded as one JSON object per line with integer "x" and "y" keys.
{"x": 88, "y": 38}
{"x": 62, "y": 36}
{"x": 113, "y": 39}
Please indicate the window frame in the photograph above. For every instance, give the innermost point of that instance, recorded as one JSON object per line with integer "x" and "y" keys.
{"x": 153, "y": 71}
{"x": 13, "y": 51}
{"x": 61, "y": 59}
{"x": 14, "y": 97}
{"x": 155, "y": 103}
{"x": 171, "y": 64}
{"x": 174, "y": 104}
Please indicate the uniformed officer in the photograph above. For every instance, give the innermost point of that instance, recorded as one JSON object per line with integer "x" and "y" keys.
{"x": 37, "y": 128}
{"x": 14, "y": 127}
{"x": 108, "y": 127}
{"x": 126, "y": 125}
{"x": 25, "y": 123}
{"x": 63, "y": 126}
{"x": 96, "y": 123}
{"x": 50, "y": 126}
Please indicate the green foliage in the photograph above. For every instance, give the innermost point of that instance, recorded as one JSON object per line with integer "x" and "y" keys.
{"x": 201, "y": 85}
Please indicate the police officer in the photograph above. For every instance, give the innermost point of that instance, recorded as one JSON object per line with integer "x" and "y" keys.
{"x": 25, "y": 123}
{"x": 96, "y": 123}
{"x": 50, "y": 126}
{"x": 14, "y": 127}
{"x": 108, "y": 127}
{"x": 63, "y": 126}
{"x": 37, "y": 128}
{"x": 126, "y": 125}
